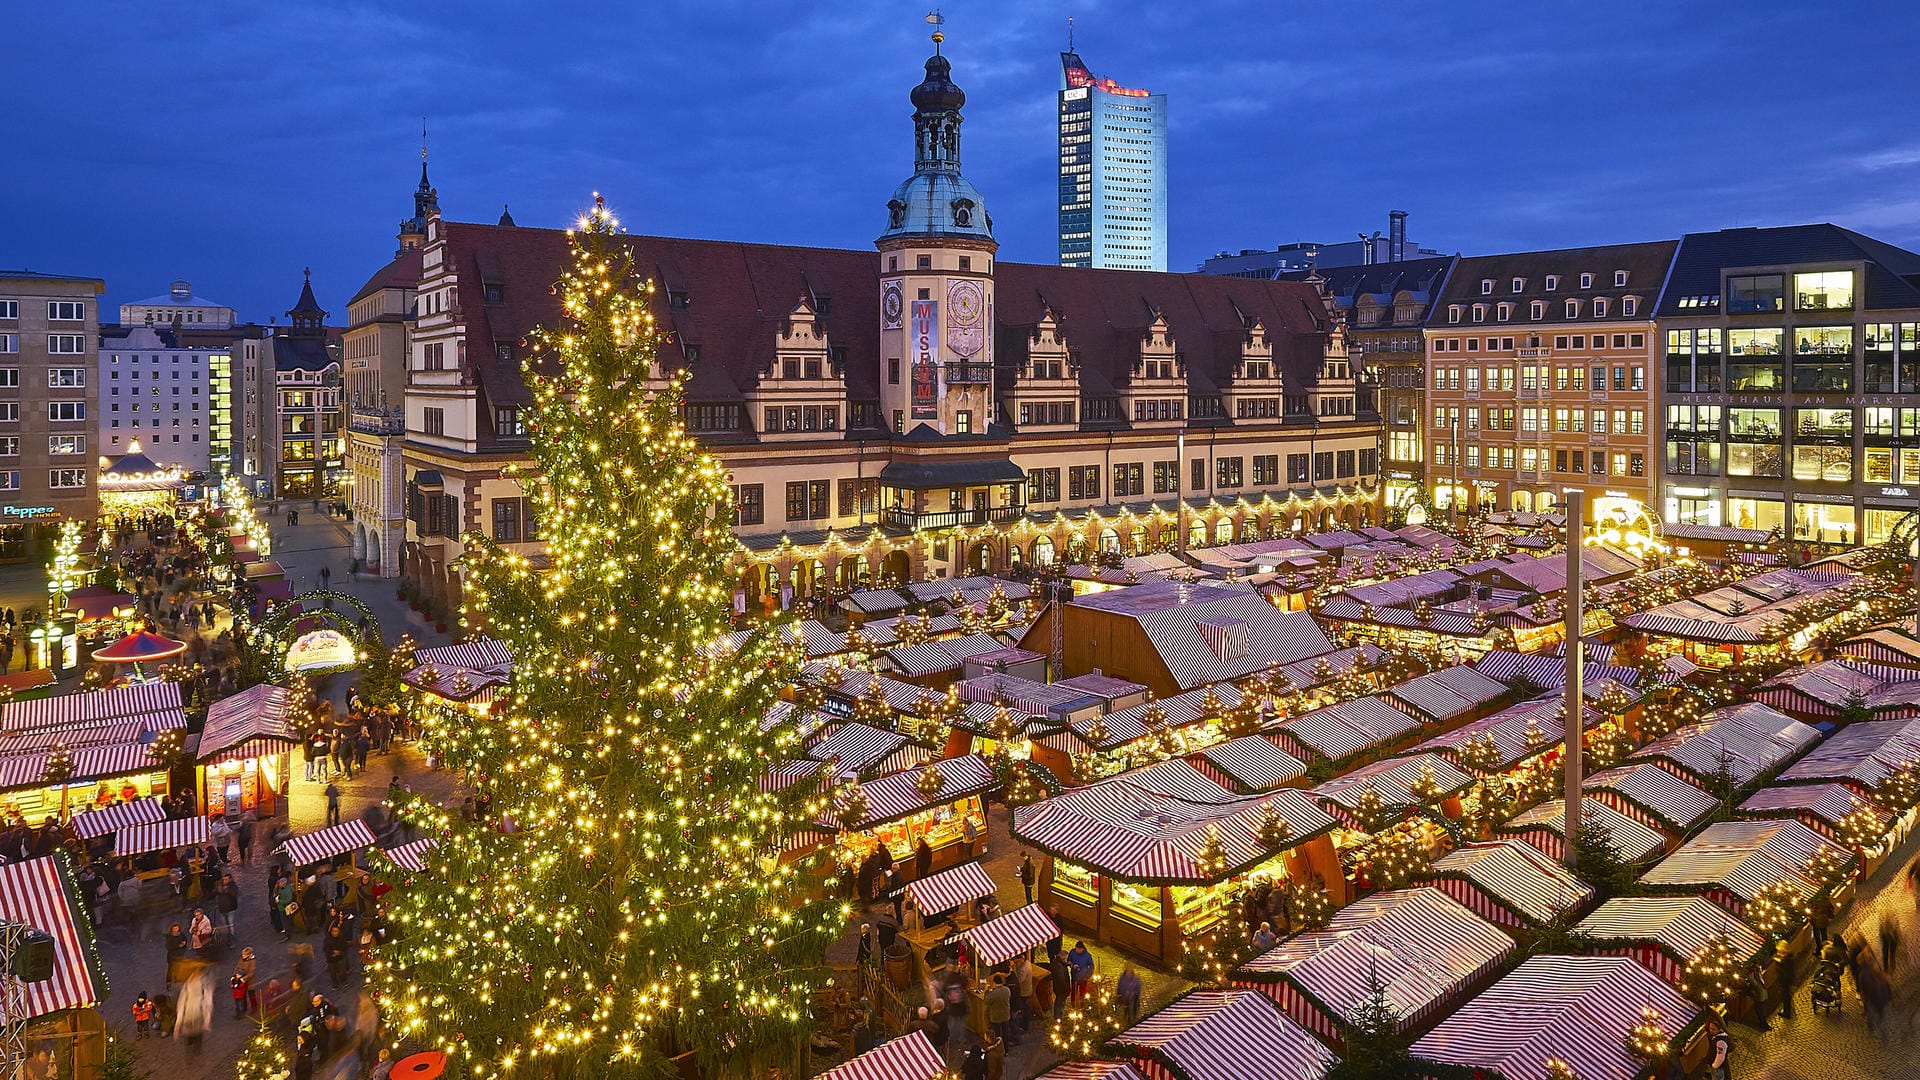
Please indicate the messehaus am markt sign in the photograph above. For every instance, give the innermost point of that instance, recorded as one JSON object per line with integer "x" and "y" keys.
{"x": 26, "y": 513}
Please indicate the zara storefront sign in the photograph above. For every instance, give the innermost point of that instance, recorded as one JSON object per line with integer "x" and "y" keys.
{"x": 1895, "y": 492}
{"x": 27, "y": 512}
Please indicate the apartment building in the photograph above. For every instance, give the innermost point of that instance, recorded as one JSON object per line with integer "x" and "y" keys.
{"x": 156, "y": 389}
{"x": 915, "y": 411}
{"x": 1792, "y": 383}
{"x": 1538, "y": 380}
{"x": 49, "y": 350}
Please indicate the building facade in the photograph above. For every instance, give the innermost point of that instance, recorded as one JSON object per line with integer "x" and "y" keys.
{"x": 49, "y": 348}
{"x": 304, "y": 428}
{"x": 1387, "y": 305}
{"x": 380, "y": 325}
{"x": 1792, "y": 383}
{"x": 158, "y": 390}
{"x": 1113, "y": 172}
{"x": 178, "y": 306}
{"x": 1303, "y": 256}
{"x": 1538, "y": 380}
{"x": 913, "y": 412}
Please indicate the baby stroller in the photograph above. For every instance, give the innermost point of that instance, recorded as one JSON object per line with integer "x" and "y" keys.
{"x": 1824, "y": 990}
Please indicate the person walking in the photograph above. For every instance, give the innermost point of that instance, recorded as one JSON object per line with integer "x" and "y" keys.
{"x": 195, "y": 1009}
{"x": 1784, "y": 957}
{"x": 999, "y": 1001}
{"x": 1128, "y": 990}
{"x": 142, "y": 1015}
{"x": 333, "y": 803}
{"x": 226, "y": 900}
{"x": 1027, "y": 875}
{"x": 1889, "y": 942}
{"x": 1820, "y": 916}
{"x": 1720, "y": 1048}
{"x": 326, "y": 576}
{"x": 243, "y": 837}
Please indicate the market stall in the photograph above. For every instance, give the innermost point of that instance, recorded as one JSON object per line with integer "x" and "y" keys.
{"x": 950, "y": 890}
{"x": 909, "y": 1057}
{"x": 1450, "y": 696}
{"x": 1147, "y": 859}
{"x": 861, "y": 750}
{"x": 1519, "y": 732}
{"x": 1825, "y": 690}
{"x": 1223, "y": 1035}
{"x": 900, "y": 814}
{"x": 1424, "y": 948}
{"x": 1396, "y": 788}
{"x": 1544, "y": 825}
{"x": 1729, "y": 862}
{"x": 1752, "y": 739}
{"x": 168, "y": 835}
{"x": 1662, "y": 933}
{"x": 1653, "y": 796}
{"x": 1820, "y": 807}
{"x": 1249, "y": 765}
{"x": 61, "y": 1031}
{"x": 1131, "y": 737}
{"x": 99, "y": 821}
{"x": 1577, "y": 1009}
{"x": 1341, "y": 732}
{"x": 1861, "y": 755}
{"x": 1510, "y": 883}
{"x": 244, "y": 755}
{"x": 1093, "y": 1070}
{"x": 411, "y": 855}
{"x": 348, "y": 838}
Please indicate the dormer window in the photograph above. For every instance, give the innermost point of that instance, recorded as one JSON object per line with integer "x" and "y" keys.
{"x": 896, "y": 213}
{"x": 1453, "y": 313}
{"x": 1519, "y": 284}
{"x": 692, "y": 353}
{"x": 1629, "y": 305}
{"x": 1553, "y": 282}
{"x": 676, "y": 300}
{"x": 823, "y": 305}
{"x": 1479, "y": 313}
{"x": 1586, "y": 281}
{"x": 1600, "y": 307}
{"x": 1486, "y": 286}
{"x": 1539, "y": 310}
{"x": 493, "y": 294}
{"x": 1573, "y": 309}
{"x": 1619, "y": 279}
{"x": 1504, "y": 312}
{"x": 963, "y": 213}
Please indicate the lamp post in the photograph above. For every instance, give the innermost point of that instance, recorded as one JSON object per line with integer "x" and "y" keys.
{"x": 1576, "y": 659}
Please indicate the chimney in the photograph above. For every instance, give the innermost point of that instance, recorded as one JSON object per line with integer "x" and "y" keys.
{"x": 1396, "y": 235}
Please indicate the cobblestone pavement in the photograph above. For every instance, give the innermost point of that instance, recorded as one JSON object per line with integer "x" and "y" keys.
{"x": 135, "y": 956}
{"x": 1838, "y": 1047}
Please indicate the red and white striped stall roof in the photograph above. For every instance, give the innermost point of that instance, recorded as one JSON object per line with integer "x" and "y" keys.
{"x": 1508, "y": 730}
{"x": 22, "y": 770}
{"x": 1123, "y": 827}
{"x": 1515, "y": 877}
{"x": 134, "y": 700}
{"x": 1655, "y": 795}
{"x": 909, "y": 1057}
{"x": 92, "y": 733}
{"x": 1679, "y": 925}
{"x": 1828, "y": 804}
{"x": 1864, "y": 753}
{"x": 1579, "y": 1009}
{"x": 412, "y": 854}
{"x": 948, "y": 889}
{"x": 1093, "y": 1070}
{"x": 860, "y": 747}
{"x": 1545, "y": 824}
{"x": 893, "y": 797}
{"x": 478, "y": 653}
{"x": 248, "y": 717}
{"x": 1425, "y": 947}
{"x": 1394, "y": 780}
{"x": 1754, "y": 738}
{"x": 40, "y": 893}
{"x": 319, "y": 846}
{"x": 118, "y": 816}
{"x": 1004, "y": 937}
{"x": 1744, "y": 857}
{"x": 1224, "y": 1035}
{"x": 161, "y": 836}
{"x": 124, "y": 759}
{"x": 1254, "y": 763}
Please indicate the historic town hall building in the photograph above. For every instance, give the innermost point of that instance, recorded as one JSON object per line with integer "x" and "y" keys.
{"x": 916, "y": 411}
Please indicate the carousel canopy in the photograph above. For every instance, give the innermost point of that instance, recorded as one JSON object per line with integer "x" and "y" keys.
{"x": 1579, "y": 1009}
{"x": 1151, "y": 827}
{"x": 135, "y": 471}
{"x": 139, "y": 647}
{"x": 1225, "y": 1035}
{"x": 1422, "y": 945}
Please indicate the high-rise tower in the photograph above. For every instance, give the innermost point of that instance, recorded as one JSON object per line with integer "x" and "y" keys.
{"x": 1113, "y": 172}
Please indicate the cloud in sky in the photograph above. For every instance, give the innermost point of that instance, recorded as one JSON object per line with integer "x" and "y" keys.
{"x": 234, "y": 145}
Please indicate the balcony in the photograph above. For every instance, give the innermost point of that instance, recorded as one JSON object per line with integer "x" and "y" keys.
{"x": 901, "y": 517}
{"x": 963, "y": 373}
{"x": 379, "y": 419}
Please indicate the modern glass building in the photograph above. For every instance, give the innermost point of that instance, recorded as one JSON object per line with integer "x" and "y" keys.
{"x": 1113, "y": 172}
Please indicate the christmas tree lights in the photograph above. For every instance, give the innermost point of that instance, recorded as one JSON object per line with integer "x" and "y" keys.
{"x": 1777, "y": 910}
{"x": 1082, "y": 1033}
{"x": 1712, "y": 975}
{"x": 625, "y": 902}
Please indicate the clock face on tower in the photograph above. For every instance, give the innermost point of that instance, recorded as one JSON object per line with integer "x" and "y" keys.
{"x": 890, "y": 305}
{"x": 966, "y": 304}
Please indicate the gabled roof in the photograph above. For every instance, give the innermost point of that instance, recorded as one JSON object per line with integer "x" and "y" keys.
{"x": 1193, "y": 629}
{"x": 1646, "y": 265}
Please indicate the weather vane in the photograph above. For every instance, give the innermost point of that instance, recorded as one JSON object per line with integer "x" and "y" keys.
{"x": 937, "y": 20}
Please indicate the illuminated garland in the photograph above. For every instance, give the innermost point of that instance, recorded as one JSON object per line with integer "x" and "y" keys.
{"x": 623, "y": 901}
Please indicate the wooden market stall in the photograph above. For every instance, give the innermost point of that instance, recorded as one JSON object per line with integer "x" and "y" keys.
{"x": 1544, "y": 825}
{"x": 1249, "y": 765}
{"x": 1120, "y": 740}
{"x": 1662, "y": 933}
{"x": 1223, "y": 1035}
{"x": 96, "y": 822}
{"x": 1820, "y": 807}
{"x": 909, "y": 1057}
{"x": 900, "y": 814}
{"x": 1510, "y": 883}
{"x": 338, "y": 845}
{"x": 1889, "y": 644}
{"x": 1124, "y": 855}
{"x": 1729, "y": 862}
{"x": 1402, "y": 786}
{"x": 1825, "y": 690}
{"x": 1653, "y": 796}
{"x": 462, "y": 677}
{"x": 244, "y": 756}
{"x": 949, "y": 891}
{"x": 1424, "y": 947}
{"x": 1576, "y": 1009}
{"x": 106, "y": 736}
{"x": 862, "y": 750}
{"x": 1342, "y": 733}
{"x": 411, "y": 855}
{"x": 1751, "y": 738}
{"x": 1093, "y": 1070}
{"x": 1861, "y": 755}
{"x": 62, "y": 1032}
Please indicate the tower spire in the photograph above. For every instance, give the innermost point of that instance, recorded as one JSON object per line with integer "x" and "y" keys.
{"x": 1069, "y": 33}
{"x": 423, "y": 155}
{"x": 937, "y": 21}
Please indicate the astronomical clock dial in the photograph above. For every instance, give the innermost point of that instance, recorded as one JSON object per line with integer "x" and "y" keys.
{"x": 890, "y": 305}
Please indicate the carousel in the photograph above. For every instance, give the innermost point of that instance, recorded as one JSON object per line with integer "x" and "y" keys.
{"x": 134, "y": 486}
{"x": 137, "y": 648}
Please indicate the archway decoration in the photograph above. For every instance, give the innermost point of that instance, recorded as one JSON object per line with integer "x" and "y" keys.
{"x": 345, "y": 633}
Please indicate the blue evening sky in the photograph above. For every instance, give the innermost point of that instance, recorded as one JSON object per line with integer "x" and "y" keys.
{"x": 235, "y": 143}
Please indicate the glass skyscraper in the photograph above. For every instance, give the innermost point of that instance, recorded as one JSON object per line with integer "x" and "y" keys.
{"x": 1113, "y": 172}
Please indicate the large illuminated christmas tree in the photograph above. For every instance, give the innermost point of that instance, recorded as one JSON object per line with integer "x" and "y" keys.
{"x": 624, "y": 902}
